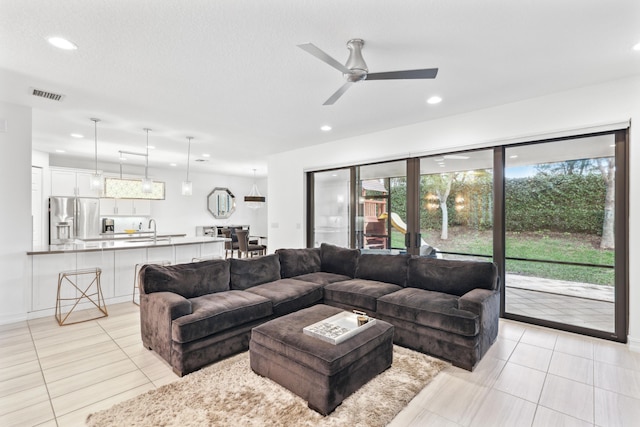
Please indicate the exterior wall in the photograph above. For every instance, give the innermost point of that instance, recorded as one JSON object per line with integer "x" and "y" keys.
{"x": 571, "y": 112}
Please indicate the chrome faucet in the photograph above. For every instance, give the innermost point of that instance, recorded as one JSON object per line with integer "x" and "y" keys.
{"x": 155, "y": 231}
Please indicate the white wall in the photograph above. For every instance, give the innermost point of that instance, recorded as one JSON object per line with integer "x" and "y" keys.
{"x": 15, "y": 212}
{"x": 569, "y": 112}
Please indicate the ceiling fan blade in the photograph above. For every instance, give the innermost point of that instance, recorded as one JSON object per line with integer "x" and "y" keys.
{"x": 333, "y": 98}
{"x": 427, "y": 73}
{"x": 324, "y": 57}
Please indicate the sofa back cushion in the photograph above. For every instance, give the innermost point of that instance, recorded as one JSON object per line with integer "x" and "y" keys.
{"x": 249, "y": 272}
{"x": 189, "y": 280}
{"x": 335, "y": 259}
{"x": 296, "y": 262}
{"x": 451, "y": 277}
{"x": 383, "y": 268}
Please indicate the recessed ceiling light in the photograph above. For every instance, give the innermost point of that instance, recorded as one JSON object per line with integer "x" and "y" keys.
{"x": 637, "y": 46}
{"x": 173, "y": 164}
{"x": 61, "y": 43}
{"x": 456, "y": 157}
{"x": 515, "y": 156}
{"x": 151, "y": 147}
{"x": 325, "y": 128}
{"x": 206, "y": 155}
{"x": 434, "y": 100}
{"x": 77, "y": 135}
{"x": 60, "y": 151}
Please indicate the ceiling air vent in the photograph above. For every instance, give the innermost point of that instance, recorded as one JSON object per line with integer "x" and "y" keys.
{"x": 201, "y": 160}
{"x": 49, "y": 95}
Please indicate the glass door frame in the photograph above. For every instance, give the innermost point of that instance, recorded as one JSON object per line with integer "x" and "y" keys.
{"x": 412, "y": 236}
{"x": 621, "y": 291}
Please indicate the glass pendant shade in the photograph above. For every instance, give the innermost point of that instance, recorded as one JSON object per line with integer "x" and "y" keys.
{"x": 97, "y": 182}
{"x": 187, "y": 188}
{"x": 254, "y": 200}
{"x": 147, "y": 185}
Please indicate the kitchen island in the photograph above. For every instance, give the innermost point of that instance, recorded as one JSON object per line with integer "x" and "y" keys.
{"x": 116, "y": 257}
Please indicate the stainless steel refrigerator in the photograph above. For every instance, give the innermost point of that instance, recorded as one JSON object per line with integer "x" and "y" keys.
{"x": 73, "y": 218}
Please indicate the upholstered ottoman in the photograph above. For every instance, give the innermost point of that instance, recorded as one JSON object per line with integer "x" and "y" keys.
{"x": 322, "y": 373}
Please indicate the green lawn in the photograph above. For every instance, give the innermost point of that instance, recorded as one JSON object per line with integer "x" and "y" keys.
{"x": 533, "y": 246}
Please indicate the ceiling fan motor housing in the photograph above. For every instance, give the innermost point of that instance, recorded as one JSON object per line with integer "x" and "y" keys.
{"x": 356, "y": 62}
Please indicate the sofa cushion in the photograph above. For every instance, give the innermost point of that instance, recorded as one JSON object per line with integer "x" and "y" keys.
{"x": 339, "y": 260}
{"x": 188, "y": 280}
{"x": 289, "y": 295}
{"x": 218, "y": 312}
{"x": 383, "y": 268}
{"x": 432, "y": 309}
{"x": 323, "y": 278}
{"x": 295, "y": 262}
{"x": 451, "y": 277}
{"x": 358, "y": 293}
{"x": 249, "y": 272}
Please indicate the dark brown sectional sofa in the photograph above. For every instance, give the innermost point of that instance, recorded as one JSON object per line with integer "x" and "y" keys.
{"x": 197, "y": 313}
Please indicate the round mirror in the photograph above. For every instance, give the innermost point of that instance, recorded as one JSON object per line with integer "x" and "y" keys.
{"x": 221, "y": 203}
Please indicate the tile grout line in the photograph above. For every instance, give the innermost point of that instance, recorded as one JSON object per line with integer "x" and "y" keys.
{"x": 44, "y": 379}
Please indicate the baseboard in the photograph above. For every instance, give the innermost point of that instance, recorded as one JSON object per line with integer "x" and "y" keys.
{"x": 7, "y": 319}
{"x": 634, "y": 343}
{"x": 84, "y": 305}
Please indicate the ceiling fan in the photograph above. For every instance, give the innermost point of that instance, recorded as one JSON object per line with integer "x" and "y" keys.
{"x": 355, "y": 70}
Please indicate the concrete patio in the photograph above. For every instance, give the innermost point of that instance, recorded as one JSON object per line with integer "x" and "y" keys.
{"x": 579, "y": 304}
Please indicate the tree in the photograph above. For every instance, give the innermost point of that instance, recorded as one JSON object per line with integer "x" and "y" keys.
{"x": 607, "y": 169}
{"x": 440, "y": 185}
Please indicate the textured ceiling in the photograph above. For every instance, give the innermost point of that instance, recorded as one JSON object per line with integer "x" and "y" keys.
{"x": 229, "y": 72}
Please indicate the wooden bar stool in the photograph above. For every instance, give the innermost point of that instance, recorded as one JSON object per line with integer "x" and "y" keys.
{"x": 136, "y": 274}
{"x": 96, "y": 298}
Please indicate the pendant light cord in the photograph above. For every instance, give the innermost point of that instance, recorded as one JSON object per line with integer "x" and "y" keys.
{"x": 95, "y": 129}
{"x": 188, "y": 155}
{"x": 146, "y": 164}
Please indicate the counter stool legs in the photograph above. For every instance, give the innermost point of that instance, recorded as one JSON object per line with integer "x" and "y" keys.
{"x": 82, "y": 292}
{"x": 136, "y": 273}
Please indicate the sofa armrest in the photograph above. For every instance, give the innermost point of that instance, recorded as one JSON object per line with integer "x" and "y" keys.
{"x": 157, "y": 312}
{"x": 486, "y": 304}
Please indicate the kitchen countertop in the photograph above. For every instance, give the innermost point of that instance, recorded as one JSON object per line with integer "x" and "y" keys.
{"x": 123, "y": 243}
{"x": 127, "y": 236}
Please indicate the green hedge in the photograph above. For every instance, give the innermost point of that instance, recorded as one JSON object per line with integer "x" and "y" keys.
{"x": 563, "y": 203}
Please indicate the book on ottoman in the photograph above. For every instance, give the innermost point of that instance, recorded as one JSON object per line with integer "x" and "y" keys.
{"x": 340, "y": 327}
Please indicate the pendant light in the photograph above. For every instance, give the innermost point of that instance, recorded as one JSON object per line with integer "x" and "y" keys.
{"x": 187, "y": 186}
{"x": 97, "y": 181}
{"x": 254, "y": 200}
{"x": 147, "y": 183}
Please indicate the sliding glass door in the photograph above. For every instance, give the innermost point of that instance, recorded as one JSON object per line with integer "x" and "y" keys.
{"x": 382, "y": 201}
{"x": 456, "y": 205}
{"x": 331, "y": 207}
{"x": 553, "y": 216}
{"x": 560, "y": 246}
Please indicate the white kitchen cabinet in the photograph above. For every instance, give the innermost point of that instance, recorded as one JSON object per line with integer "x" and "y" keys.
{"x": 125, "y": 207}
{"x": 142, "y": 207}
{"x": 71, "y": 183}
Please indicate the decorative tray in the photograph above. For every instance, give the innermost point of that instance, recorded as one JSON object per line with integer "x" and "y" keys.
{"x": 340, "y": 327}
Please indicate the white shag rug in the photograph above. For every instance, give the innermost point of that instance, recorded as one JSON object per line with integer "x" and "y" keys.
{"x": 229, "y": 393}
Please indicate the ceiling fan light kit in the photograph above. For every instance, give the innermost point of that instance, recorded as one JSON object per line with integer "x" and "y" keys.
{"x": 356, "y": 70}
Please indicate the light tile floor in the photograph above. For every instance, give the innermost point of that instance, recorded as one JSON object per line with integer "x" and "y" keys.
{"x": 532, "y": 376}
